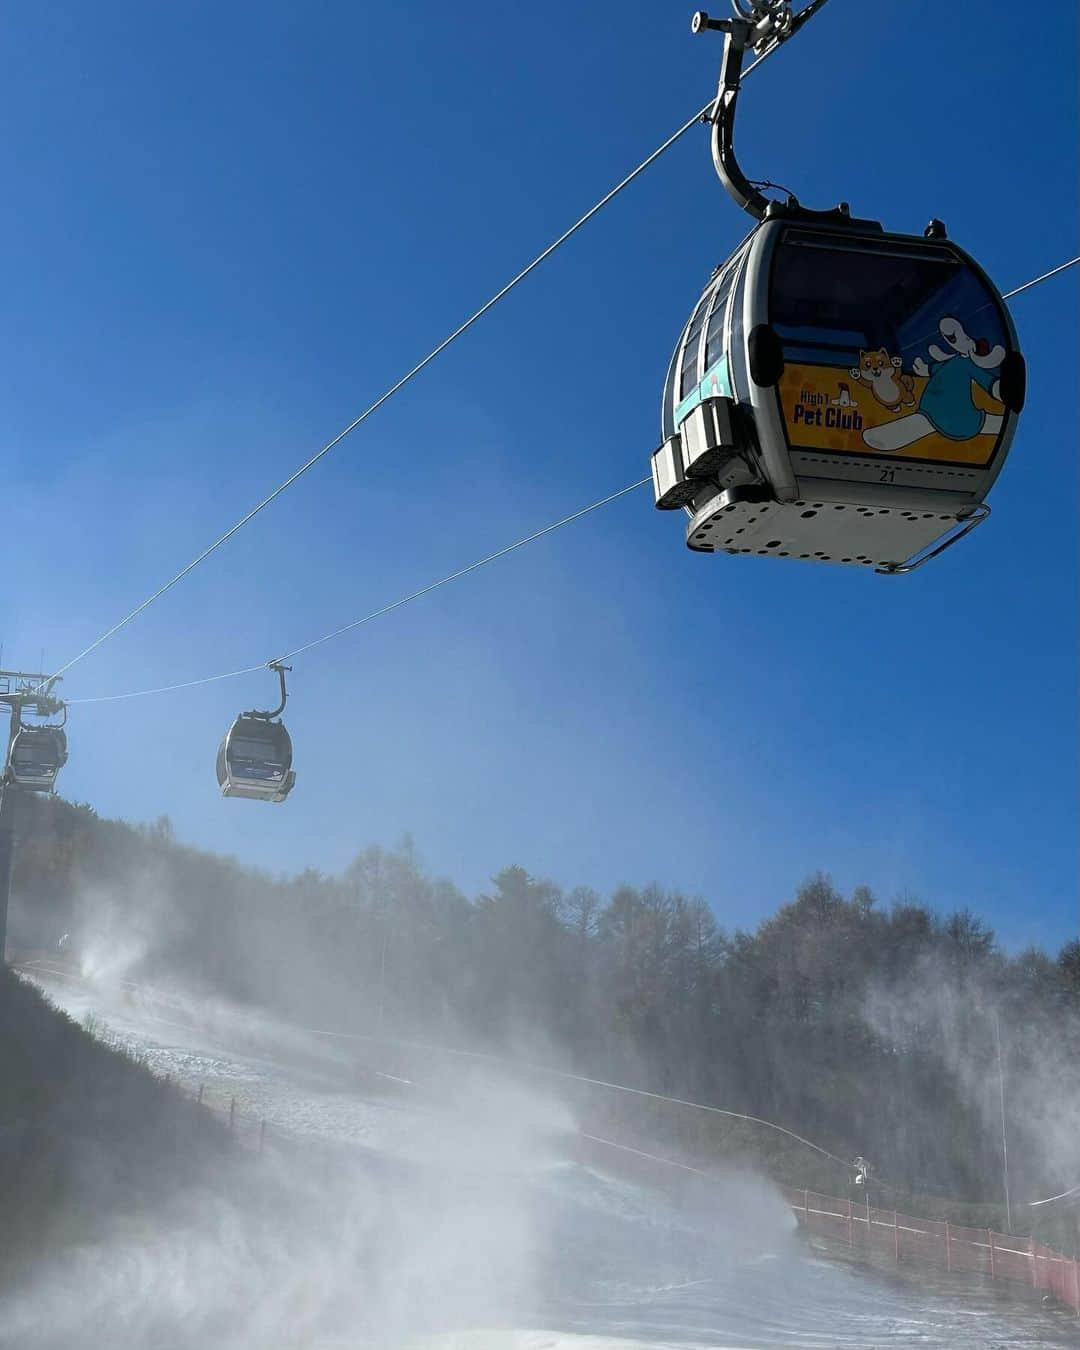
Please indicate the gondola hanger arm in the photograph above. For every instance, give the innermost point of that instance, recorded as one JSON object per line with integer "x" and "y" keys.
{"x": 269, "y": 716}
{"x": 739, "y": 33}
{"x": 762, "y": 25}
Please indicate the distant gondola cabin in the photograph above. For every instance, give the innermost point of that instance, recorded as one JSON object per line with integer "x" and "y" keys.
{"x": 255, "y": 760}
{"x": 36, "y": 756}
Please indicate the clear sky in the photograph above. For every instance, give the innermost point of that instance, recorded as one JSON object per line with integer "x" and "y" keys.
{"x": 229, "y": 227}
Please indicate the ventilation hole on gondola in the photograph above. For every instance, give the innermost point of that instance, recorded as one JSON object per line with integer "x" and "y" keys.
{"x": 817, "y": 506}
{"x": 944, "y": 517}
{"x": 807, "y": 514}
{"x": 800, "y": 503}
{"x": 928, "y": 515}
{"x": 825, "y": 558}
{"x": 774, "y": 543}
{"x": 730, "y": 508}
{"x": 762, "y": 552}
{"x": 838, "y": 508}
{"x": 804, "y": 555}
{"x": 819, "y": 554}
{"x": 700, "y": 534}
{"x": 783, "y": 555}
{"x": 845, "y": 559}
{"x": 740, "y": 529}
{"x": 861, "y": 557}
{"x": 884, "y": 511}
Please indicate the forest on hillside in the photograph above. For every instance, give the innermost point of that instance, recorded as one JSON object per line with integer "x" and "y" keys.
{"x": 870, "y": 1027}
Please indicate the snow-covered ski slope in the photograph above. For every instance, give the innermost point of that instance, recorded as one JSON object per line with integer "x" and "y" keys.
{"x": 384, "y": 1214}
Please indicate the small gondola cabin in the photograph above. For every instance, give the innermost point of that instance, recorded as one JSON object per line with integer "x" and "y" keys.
{"x": 255, "y": 760}
{"x": 36, "y": 756}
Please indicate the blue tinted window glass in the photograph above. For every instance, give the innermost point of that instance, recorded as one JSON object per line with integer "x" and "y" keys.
{"x": 689, "y": 368}
{"x": 714, "y": 334}
{"x": 830, "y": 299}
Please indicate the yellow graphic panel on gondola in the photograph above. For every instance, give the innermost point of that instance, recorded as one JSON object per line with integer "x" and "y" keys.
{"x": 943, "y": 409}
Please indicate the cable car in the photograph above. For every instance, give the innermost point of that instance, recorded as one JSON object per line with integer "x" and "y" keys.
{"x": 839, "y": 393}
{"x": 255, "y": 758}
{"x": 36, "y": 755}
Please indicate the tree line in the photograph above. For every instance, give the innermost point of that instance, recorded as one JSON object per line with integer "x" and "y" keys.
{"x": 885, "y": 1030}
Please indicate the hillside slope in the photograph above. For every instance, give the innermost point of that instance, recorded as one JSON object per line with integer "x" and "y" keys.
{"x": 86, "y": 1133}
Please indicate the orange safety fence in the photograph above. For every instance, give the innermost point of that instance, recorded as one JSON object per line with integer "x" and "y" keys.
{"x": 940, "y": 1243}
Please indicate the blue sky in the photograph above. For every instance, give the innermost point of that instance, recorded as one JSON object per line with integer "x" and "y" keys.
{"x": 230, "y": 227}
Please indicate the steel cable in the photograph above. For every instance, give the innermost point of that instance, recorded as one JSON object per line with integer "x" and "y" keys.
{"x": 33, "y": 968}
{"x": 383, "y": 609}
{"x": 378, "y": 403}
{"x": 420, "y": 365}
{"x": 453, "y": 576}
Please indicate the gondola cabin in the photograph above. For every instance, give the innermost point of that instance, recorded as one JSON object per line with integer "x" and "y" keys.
{"x": 839, "y": 394}
{"x": 36, "y": 756}
{"x": 255, "y": 760}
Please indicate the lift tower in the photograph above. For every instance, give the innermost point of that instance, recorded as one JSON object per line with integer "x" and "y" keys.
{"x": 19, "y": 692}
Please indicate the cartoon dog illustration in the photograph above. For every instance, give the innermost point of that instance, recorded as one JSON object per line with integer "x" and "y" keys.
{"x": 946, "y": 405}
{"x": 888, "y": 383}
{"x": 844, "y": 400}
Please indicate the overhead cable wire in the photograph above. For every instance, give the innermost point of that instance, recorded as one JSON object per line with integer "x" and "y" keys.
{"x": 420, "y": 365}
{"x": 453, "y": 576}
{"x": 567, "y": 1076}
{"x": 464, "y": 571}
{"x": 170, "y": 688}
{"x": 1045, "y": 277}
{"x": 1073, "y": 1193}
{"x": 33, "y": 968}
{"x": 378, "y": 403}
{"x": 653, "y": 1157}
{"x": 383, "y": 609}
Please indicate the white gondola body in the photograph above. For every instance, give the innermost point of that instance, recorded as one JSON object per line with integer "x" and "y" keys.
{"x": 254, "y": 761}
{"x": 839, "y": 394}
{"x": 35, "y": 757}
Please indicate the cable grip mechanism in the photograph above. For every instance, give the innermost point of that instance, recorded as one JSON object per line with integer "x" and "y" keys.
{"x": 760, "y": 25}
{"x": 768, "y": 21}
{"x": 738, "y": 34}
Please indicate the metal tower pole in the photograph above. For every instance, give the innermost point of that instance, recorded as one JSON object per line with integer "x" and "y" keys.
{"x": 1004, "y": 1133}
{"x": 9, "y": 796}
{"x": 8, "y": 812}
{"x": 17, "y": 688}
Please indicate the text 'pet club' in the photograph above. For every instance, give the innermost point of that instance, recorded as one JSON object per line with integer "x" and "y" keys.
{"x": 815, "y": 410}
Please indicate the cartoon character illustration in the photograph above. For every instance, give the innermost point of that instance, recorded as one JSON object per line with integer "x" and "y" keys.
{"x": 888, "y": 383}
{"x": 946, "y": 405}
{"x": 845, "y": 400}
